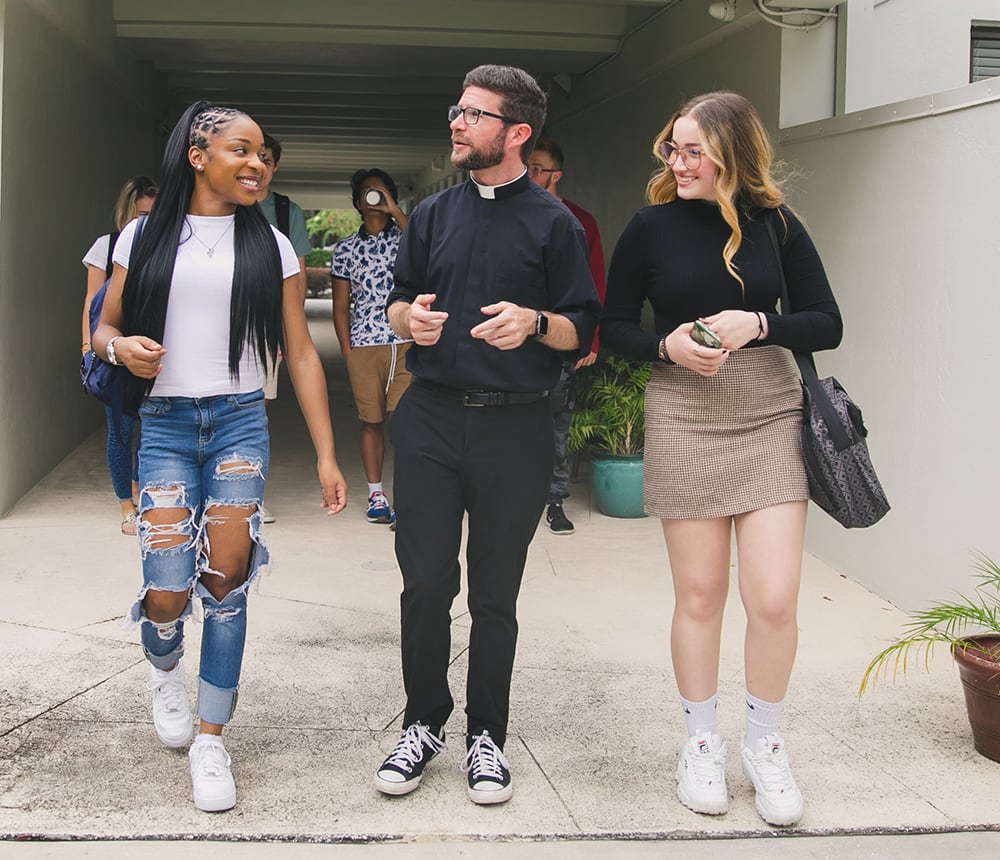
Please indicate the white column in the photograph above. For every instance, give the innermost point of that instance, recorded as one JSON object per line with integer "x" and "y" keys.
{"x": 855, "y": 49}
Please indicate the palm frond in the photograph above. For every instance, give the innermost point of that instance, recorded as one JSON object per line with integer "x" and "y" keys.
{"x": 948, "y": 622}
{"x": 610, "y": 406}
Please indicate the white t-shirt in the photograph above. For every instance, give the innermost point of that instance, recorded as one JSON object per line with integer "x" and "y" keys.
{"x": 196, "y": 333}
{"x": 98, "y": 253}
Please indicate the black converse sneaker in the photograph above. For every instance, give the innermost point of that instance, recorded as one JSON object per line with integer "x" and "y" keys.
{"x": 400, "y": 773}
{"x": 488, "y": 770}
{"x": 559, "y": 523}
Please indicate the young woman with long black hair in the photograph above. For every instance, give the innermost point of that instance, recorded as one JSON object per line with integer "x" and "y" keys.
{"x": 193, "y": 311}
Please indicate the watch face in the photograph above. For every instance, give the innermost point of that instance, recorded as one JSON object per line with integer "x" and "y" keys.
{"x": 541, "y": 325}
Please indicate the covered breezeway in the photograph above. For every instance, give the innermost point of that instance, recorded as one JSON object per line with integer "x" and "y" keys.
{"x": 895, "y": 155}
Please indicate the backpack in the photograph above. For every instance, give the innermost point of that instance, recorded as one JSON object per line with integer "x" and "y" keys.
{"x": 281, "y": 210}
{"x": 108, "y": 382}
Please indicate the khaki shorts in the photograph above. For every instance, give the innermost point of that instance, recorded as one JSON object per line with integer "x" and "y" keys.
{"x": 271, "y": 378}
{"x": 378, "y": 379}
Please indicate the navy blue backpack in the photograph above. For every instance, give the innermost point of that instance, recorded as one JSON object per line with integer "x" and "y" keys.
{"x": 109, "y": 383}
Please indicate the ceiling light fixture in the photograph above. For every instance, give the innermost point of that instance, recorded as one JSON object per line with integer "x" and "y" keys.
{"x": 724, "y": 11}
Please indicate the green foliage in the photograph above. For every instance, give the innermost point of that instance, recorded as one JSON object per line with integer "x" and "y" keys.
{"x": 319, "y": 258}
{"x": 610, "y": 399}
{"x": 948, "y": 622}
{"x": 332, "y": 225}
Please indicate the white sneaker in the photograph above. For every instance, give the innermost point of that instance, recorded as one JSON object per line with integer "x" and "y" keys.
{"x": 779, "y": 800}
{"x": 171, "y": 708}
{"x": 266, "y": 516}
{"x": 701, "y": 775}
{"x": 211, "y": 779}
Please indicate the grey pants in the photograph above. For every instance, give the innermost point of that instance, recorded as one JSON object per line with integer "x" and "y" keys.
{"x": 562, "y": 401}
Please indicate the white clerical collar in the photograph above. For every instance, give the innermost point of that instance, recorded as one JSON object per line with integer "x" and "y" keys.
{"x": 489, "y": 192}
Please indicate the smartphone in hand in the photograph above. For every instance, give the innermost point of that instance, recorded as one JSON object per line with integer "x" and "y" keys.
{"x": 702, "y": 334}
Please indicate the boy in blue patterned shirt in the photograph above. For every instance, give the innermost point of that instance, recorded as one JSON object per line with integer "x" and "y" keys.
{"x": 362, "y": 280}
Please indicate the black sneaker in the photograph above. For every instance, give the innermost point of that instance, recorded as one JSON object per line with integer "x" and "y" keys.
{"x": 488, "y": 770}
{"x": 556, "y": 518}
{"x": 400, "y": 773}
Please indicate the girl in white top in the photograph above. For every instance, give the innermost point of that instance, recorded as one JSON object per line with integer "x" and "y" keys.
{"x": 195, "y": 308}
{"x": 136, "y": 198}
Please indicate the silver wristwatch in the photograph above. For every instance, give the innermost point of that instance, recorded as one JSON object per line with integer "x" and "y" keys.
{"x": 112, "y": 358}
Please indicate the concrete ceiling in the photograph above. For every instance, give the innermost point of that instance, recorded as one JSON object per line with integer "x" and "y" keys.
{"x": 364, "y": 83}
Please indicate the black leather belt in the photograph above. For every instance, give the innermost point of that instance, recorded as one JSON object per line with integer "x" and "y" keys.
{"x": 478, "y": 397}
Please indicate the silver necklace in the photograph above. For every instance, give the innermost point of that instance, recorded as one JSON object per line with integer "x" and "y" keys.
{"x": 210, "y": 249}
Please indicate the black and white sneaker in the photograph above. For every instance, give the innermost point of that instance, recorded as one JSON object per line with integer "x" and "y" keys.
{"x": 400, "y": 773}
{"x": 488, "y": 770}
{"x": 559, "y": 523}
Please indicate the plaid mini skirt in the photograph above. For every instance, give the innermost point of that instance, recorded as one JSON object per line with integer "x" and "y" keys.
{"x": 726, "y": 444}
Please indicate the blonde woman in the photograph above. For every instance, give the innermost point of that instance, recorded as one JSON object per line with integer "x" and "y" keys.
{"x": 136, "y": 198}
{"x": 722, "y": 424}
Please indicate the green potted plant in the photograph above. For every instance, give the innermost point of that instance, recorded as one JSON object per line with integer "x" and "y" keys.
{"x": 318, "y": 271}
{"x": 609, "y": 421}
{"x": 326, "y": 227}
{"x": 970, "y": 627}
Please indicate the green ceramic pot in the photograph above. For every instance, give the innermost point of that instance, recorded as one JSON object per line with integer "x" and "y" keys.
{"x": 616, "y": 481}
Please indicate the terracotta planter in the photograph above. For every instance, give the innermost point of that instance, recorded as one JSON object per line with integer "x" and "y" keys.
{"x": 979, "y": 669}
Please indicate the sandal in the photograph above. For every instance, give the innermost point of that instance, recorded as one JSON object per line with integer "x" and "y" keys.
{"x": 130, "y": 525}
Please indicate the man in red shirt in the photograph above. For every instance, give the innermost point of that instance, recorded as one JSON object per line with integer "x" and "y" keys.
{"x": 545, "y": 169}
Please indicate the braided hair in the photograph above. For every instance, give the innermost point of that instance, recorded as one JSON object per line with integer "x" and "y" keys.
{"x": 255, "y": 307}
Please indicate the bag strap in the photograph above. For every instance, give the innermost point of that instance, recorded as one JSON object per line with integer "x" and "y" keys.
{"x": 807, "y": 366}
{"x": 109, "y": 266}
{"x": 118, "y": 395}
{"x": 281, "y": 212}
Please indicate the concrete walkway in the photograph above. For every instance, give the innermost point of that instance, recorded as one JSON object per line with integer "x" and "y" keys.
{"x": 595, "y": 727}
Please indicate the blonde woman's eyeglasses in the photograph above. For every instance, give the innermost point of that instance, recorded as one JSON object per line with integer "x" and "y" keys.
{"x": 689, "y": 155}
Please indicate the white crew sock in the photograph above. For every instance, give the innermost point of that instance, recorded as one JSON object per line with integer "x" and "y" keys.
{"x": 375, "y": 488}
{"x": 762, "y": 720}
{"x": 701, "y": 717}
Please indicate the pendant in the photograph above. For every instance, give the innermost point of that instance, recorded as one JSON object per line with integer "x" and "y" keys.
{"x": 210, "y": 252}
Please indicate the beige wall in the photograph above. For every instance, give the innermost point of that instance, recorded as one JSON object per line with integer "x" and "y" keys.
{"x": 904, "y": 215}
{"x": 76, "y": 123}
{"x": 918, "y": 50}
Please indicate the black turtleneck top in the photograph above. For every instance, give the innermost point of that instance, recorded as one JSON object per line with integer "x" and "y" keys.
{"x": 671, "y": 255}
{"x": 520, "y": 245}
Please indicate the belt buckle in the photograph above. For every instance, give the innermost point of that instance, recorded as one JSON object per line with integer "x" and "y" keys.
{"x": 468, "y": 395}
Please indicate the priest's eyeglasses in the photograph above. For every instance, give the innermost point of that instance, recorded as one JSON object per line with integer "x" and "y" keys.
{"x": 471, "y": 115}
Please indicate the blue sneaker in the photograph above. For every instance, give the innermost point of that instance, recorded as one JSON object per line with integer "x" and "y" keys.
{"x": 378, "y": 509}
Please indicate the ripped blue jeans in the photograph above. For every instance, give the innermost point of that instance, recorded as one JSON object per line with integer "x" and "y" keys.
{"x": 198, "y": 454}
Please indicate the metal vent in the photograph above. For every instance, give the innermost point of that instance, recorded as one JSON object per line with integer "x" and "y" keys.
{"x": 985, "y": 53}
